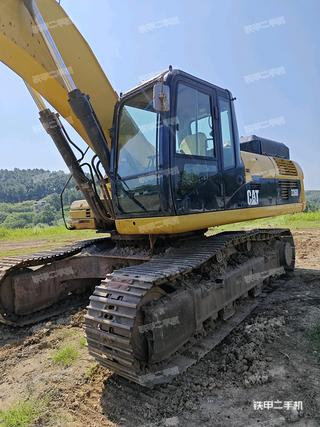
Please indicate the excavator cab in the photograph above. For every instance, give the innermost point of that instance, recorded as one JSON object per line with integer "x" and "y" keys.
{"x": 176, "y": 164}
{"x": 180, "y": 159}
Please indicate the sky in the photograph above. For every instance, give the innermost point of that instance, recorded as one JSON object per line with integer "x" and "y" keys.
{"x": 266, "y": 53}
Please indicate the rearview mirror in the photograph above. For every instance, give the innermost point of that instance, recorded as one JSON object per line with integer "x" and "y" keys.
{"x": 161, "y": 97}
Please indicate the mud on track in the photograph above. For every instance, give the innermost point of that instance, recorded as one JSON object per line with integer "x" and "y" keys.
{"x": 267, "y": 358}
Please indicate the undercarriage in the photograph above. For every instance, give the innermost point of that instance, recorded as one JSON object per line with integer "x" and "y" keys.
{"x": 31, "y": 285}
{"x": 151, "y": 315}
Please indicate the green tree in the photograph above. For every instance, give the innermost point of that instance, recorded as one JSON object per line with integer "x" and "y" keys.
{"x": 18, "y": 220}
{"x": 46, "y": 216}
{"x": 3, "y": 216}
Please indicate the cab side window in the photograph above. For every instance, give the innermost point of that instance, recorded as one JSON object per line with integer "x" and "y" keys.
{"x": 227, "y": 133}
{"x": 194, "y": 126}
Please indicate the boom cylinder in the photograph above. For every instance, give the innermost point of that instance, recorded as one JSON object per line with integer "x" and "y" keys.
{"x": 53, "y": 127}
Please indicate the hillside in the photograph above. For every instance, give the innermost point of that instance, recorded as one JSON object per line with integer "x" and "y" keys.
{"x": 20, "y": 185}
{"x": 30, "y": 197}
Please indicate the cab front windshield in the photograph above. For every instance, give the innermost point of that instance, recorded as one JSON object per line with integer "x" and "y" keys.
{"x": 138, "y": 154}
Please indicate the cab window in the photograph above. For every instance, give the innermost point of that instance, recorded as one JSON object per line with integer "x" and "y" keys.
{"x": 194, "y": 126}
{"x": 227, "y": 133}
{"x": 138, "y": 155}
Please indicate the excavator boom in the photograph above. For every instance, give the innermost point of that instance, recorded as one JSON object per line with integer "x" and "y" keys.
{"x": 23, "y": 49}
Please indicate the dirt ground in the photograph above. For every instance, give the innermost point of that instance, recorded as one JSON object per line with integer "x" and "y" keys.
{"x": 266, "y": 373}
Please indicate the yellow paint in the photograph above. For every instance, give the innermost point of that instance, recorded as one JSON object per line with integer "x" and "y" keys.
{"x": 303, "y": 199}
{"x": 192, "y": 222}
{"x": 267, "y": 167}
{"x": 80, "y": 214}
{"x": 24, "y": 51}
{"x": 258, "y": 165}
{"x": 83, "y": 224}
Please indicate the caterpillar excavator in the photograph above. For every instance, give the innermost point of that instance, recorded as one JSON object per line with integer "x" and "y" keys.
{"x": 167, "y": 165}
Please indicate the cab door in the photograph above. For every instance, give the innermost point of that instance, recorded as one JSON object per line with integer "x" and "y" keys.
{"x": 233, "y": 173}
{"x": 195, "y": 165}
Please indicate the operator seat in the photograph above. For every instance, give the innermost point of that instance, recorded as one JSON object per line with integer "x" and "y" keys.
{"x": 194, "y": 144}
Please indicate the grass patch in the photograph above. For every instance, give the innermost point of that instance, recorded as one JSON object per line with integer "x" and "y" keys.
{"x": 91, "y": 371}
{"x": 24, "y": 241}
{"x": 314, "y": 336}
{"x": 66, "y": 355}
{"x": 293, "y": 221}
{"x": 23, "y": 414}
{"x": 83, "y": 342}
{"x": 39, "y": 233}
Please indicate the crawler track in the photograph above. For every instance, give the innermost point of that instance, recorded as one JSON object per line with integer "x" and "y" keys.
{"x": 121, "y": 307}
{"x": 15, "y": 264}
{"x": 37, "y": 287}
{"x": 10, "y": 264}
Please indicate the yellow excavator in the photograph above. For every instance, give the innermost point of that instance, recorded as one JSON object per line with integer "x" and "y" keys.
{"x": 167, "y": 165}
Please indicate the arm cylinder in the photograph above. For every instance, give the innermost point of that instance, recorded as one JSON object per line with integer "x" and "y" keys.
{"x": 82, "y": 108}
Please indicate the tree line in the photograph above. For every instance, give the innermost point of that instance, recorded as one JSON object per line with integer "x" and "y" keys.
{"x": 313, "y": 200}
{"x": 30, "y": 197}
{"x": 20, "y": 185}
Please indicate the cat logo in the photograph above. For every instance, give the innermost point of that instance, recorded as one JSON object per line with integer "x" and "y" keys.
{"x": 253, "y": 197}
